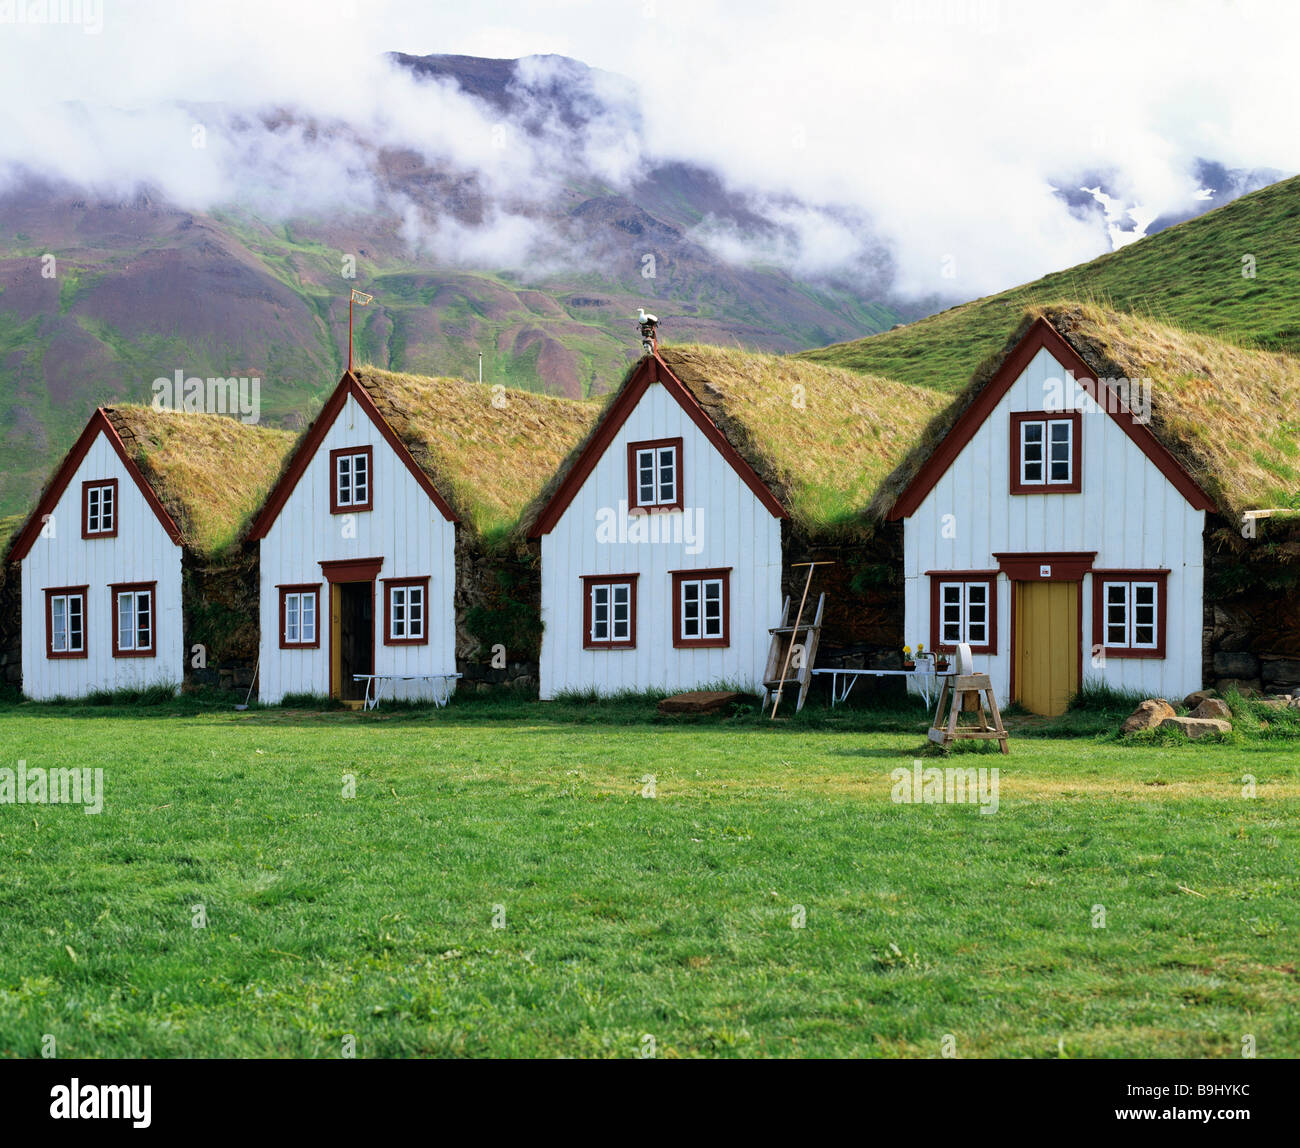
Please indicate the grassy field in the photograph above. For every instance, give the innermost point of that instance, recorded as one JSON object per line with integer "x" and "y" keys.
{"x": 627, "y": 916}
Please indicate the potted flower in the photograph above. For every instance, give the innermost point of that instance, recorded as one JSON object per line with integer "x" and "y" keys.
{"x": 908, "y": 664}
{"x": 941, "y": 664}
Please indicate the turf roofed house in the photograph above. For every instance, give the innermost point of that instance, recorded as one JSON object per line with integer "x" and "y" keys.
{"x": 131, "y": 543}
{"x": 373, "y": 544}
{"x": 666, "y": 536}
{"x": 1056, "y": 519}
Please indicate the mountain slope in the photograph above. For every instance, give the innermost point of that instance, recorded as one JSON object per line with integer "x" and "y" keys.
{"x": 1188, "y": 276}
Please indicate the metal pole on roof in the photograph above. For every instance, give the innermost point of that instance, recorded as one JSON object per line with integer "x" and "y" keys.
{"x": 364, "y": 300}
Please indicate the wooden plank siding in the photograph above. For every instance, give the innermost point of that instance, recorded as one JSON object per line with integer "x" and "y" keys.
{"x": 735, "y": 531}
{"x": 1127, "y": 511}
{"x": 404, "y": 528}
{"x": 141, "y": 551}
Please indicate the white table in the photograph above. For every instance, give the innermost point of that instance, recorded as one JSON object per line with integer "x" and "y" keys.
{"x": 375, "y": 684}
{"x": 928, "y": 678}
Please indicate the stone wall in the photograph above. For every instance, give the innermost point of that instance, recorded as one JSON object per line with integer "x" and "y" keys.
{"x": 1251, "y": 629}
{"x": 862, "y": 626}
{"x": 221, "y": 615}
{"x": 498, "y": 615}
{"x": 11, "y": 628}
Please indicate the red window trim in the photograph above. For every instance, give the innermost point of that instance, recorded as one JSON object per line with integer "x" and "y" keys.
{"x": 680, "y": 576}
{"x": 590, "y": 580}
{"x": 1099, "y": 579}
{"x": 989, "y": 578}
{"x": 52, "y": 593}
{"x": 85, "y": 508}
{"x": 356, "y": 507}
{"x": 117, "y": 589}
{"x": 299, "y": 588}
{"x": 1075, "y": 485}
{"x": 633, "y": 487}
{"x": 392, "y": 583}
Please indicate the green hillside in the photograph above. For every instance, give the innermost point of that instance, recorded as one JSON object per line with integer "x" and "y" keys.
{"x": 1189, "y": 276}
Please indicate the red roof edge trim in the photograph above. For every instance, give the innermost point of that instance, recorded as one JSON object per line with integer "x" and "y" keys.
{"x": 651, "y": 369}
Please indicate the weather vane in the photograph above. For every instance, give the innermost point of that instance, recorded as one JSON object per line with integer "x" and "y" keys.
{"x": 649, "y": 331}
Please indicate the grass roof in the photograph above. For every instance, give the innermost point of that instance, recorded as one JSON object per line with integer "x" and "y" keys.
{"x": 489, "y": 461}
{"x": 1230, "y": 415}
{"x": 822, "y": 438}
{"x": 210, "y": 472}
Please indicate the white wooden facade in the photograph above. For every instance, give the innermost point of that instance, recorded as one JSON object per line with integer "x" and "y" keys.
{"x": 141, "y": 551}
{"x": 1136, "y": 511}
{"x": 411, "y": 535}
{"x": 727, "y": 522}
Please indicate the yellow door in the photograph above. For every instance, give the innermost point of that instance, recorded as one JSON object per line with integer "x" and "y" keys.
{"x": 336, "y": 642}
{"x": 1046, "y": 645}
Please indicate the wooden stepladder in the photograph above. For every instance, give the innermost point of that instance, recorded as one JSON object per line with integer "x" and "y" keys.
{"x": 962, "y": 691}
{"x": 786, "y": 639}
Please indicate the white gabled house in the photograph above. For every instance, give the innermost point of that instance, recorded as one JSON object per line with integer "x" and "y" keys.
{"x": 661, "y": 551}
{"x": 103, "y": 555}
{"x": 1053, "y": 532}
{"x": 357, "y": 561}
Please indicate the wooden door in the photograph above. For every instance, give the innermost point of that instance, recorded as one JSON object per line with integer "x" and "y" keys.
{"x": 1046, "y": 626}
{"x": 336, "y": 640}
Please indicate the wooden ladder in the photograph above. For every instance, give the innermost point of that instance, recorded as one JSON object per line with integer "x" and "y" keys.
{"x": 785, "y": 638}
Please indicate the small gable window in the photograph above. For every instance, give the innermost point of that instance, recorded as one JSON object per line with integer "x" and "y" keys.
{"x": 609, "y": 612}
{"x": 701, "y": 608}
{"x": 654, "y": 471}
{"x": 299, "y": 617}
{"x": 351, "y": 479}
{"x": 134, "y": 624}
{"x": 963, "y": 609}
{"x": 1045, "y": 452}
{"x": 99, "y": 508}
{"x": 406, "y": 608}
{"x": 65, "y": 622}
{"x": 1128, "y": 612}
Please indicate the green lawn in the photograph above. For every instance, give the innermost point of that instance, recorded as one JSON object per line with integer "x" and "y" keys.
{"x": 626, "y": 915}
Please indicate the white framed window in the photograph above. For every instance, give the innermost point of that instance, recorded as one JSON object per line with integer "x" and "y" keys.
{"x": 66, "y": 621}
{"x": 1132, "y": 615}
{"x": 406, "y": 612}
{"x": 133, "y": 620}
{"x": 655, "y": 474}
{"x": 701, "y": 608}
{"x": 299, "y": 609}
{"x": 1045, "y": 452}
{"x": 963, "y": 609}
{"x": 351, "y": 479}
{"x": 99, "y": 509}
{"x": 609, "y": 612}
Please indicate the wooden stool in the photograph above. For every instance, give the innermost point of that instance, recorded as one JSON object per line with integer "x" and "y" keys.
{"x": 965, "y": 688}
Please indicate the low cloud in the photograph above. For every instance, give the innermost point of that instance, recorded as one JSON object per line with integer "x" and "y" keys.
{"x": 929, "y": 136}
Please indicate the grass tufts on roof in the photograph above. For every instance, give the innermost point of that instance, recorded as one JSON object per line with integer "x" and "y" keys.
{"x": 489, "y": 453}
{"x": 210, "y": 472}
{"x": 1230, "y": 415}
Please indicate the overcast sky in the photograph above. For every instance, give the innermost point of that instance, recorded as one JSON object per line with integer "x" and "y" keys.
{"x": 947, "y": 124}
